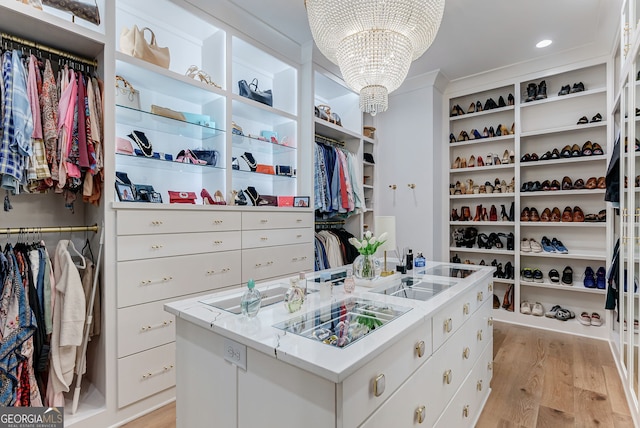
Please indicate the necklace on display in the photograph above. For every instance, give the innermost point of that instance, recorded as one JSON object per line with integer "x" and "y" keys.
{"x": 140, "y": 139}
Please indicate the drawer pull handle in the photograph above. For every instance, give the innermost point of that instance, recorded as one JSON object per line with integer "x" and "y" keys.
{"x": 490, "y": 321}
{"x": 150, "y": 281}
{"x": 258, "y": 264}
{"x": 379, "y": 385}
{"x": 465, "y": 411}
{"x": 479, "y": 334}
{"x": 151, "y": 327}
{"x": 447, "y": 377}
{"x": 156, "y": 222}
{"x": 156, "y": 247}
{"x": 295, "y": 259}
{"x": 490, "y": 365}
{"x": 217, "y": 242}
{"x": 162, "y": 370}
{"x": 167, "y": 279}
{"x": 269, "y": 263}
{"x": 145, "y": 282}
{"x": 217, "y": 221}
{"x": 421, "y": 414}
{"x": 466, "y": 353}
{"x": 448, "y": 325}
{"x": 264, "y": 238}
{"x": 479, "y": 385}
{"x": 465, "y": 309}
{"x": 480, "y": 296}
{"x": 490, "y": 287}
{"x": 264, "y": 221}
{"x": 298, "y": 236}
{"x": 420, "y": 348}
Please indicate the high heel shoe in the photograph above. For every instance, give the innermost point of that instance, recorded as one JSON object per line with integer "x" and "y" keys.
{"x": 454, "y": 215}
{"x": 452, "y": 138}
{"x": 472, "y": 108}
{"x": 485, "y": 216}
{"x": 476, "y": 134}
{"x": 478, "y": 215}
{"x": 505, "y": 157}
{"x": 510, "y": 100}
{"x": 239, "y": 198}
{"x": 493, "y": 213}
{"x": 456, "y": 163}
{"x": 218, "y": 197}
{"x": 503, "y": 214}
{"x": 472, "y": 162}
{"x": 249, "y": 159}
{"x": 206, "y": 197}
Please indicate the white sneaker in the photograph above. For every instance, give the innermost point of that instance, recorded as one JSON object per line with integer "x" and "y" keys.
{"x": 538, "y": 309}
{"x": 525, "y": 245}
{"x": 525, "y": 308}
{"x": 535, "y": 246}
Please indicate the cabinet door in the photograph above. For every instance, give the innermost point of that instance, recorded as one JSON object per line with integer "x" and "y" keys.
{"x": 141, "y": 281}
{"x": 138, "y": 247}
{"x": 271, "y": 220}
{"x": 271, "y": 262}
{"x": 142, "y": 221}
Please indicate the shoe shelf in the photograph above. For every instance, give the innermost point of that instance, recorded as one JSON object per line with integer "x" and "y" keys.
{"x": 563, "y": 193}
{"x": 253, "y": 144}
{"x": 563, "y": 224}
{"x": 561, "y": 129}
{"x": 136, "y": 162}
{"x": 143, "y": 119}
{"x": 572, "y": 255}
{"x": 557, "y": 98}
{"x": 142, "y": 74}
{"x": 481, "y": 113}
{"x": 480, "y": 168}
{"x": 571, "y": 288}
{"x": 482, "y": 140}
{"x": 481, "y": 250}
{"x": 482, "y": 195}
{"x": 592, "y": 158}
{"x": 482, "y": 223}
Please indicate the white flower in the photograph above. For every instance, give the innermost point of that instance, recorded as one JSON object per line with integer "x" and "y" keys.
{"x": 383, "y": 237}
{"x": 355, "y": 243}
{"x": 368, "y": 234}
{"x": 372, "y": 240}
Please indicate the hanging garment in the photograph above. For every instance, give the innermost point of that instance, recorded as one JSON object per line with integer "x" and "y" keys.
{"x": 49, "y": 107}
{"x": 39, "y": 170}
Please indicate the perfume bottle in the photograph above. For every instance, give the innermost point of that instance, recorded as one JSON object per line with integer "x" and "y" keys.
{"x": 349, "y": 282}
{"x": 420, "y": 261}
{"x": 251, "y": 300}
{"x": 294, "y": 297}
{"x": 409, "y": 261}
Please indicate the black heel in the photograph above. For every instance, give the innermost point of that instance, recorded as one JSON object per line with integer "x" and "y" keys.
{"x": 511, "y": 212}
{"x": 495, "y": 241}
{"x": 508, "y": 271}
{"x": 470, "y": 235}
{"x": 483, "y": 241}
{"x": 503, "y": 214}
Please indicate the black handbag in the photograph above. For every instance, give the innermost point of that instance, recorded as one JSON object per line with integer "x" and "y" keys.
{"x": 210, "y": 156}
{"x": 252, "y": 92}
{"x": 146, "y": 193}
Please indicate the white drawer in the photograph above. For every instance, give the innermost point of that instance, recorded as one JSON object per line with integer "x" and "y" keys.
{"x": 144, "y": 327}
{"x": 136, "y": 247}
{"x": 142, "y": 281}
{"x": 392, "y": 367}
{"x": 146, "y": 373}
{"x": 477, "y": 334}
{"x": 171, "y": 221}
{"x": 268, "y": 238}
{"x": 450, "y": 318}
{"x": 272, "y": 220}
{"x": 483, "y": 373}
{"x": 271, "y": 262}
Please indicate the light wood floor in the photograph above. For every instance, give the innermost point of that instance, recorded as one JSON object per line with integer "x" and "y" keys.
{"x": 540, "y": 379}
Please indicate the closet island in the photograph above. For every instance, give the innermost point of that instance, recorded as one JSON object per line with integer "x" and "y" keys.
{"x": 405, "y": 350}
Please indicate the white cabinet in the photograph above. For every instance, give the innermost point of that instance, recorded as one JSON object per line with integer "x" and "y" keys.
{"x": 555, "y": 162}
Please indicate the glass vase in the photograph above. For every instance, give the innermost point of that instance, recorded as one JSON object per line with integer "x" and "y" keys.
{"x": 366, "y": 267}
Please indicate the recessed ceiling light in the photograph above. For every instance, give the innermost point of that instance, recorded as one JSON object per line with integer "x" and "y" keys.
{"x": 543, "y": 43}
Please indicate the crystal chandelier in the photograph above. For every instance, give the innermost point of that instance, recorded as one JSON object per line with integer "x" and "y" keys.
{"x": 374, "y": 41}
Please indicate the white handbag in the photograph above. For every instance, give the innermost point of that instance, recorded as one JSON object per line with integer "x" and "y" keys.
{"x": 132, "y": 42}
{"x": 126, "y": 95}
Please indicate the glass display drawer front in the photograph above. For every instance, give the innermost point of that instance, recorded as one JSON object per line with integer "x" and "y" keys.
{"x": 451, "y": 271}
{"x": 417, "y": 288}
{"x": 343, "y": 323}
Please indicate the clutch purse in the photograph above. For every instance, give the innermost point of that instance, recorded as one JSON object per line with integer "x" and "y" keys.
{"x": 285, "y": 170}
{"x": 210, "y": 156}
{"x": 87, "y": 9}
{"x": 126, "y": 95}
{"x": 132, "y": 42}
{"x": 146, "y": 193}
{"x": 265, "y": 169}
{"x": 167, "y": 112}
{"x": 251, "y": 91}
{"x": 199, "y": 119}
{"x": 124, "y": 146}
{"x": 182, "y": 197}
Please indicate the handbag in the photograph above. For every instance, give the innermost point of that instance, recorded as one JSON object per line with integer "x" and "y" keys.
{"x": 132, "y": 42}
{"x": 265, "y": 169}
{"x": 167, "y": 112}
{"x": 87, "y": 9}
{"x": 199, "y": 119}
{"x": 126, "y": 95}
{"x": 252, "y": 92}
{"x": 210, "y": 156}
{"x": 146, "y": 193}
{"x": 182, "y": 197}
{"x": 124, "y": 146}
{"x": 323, "y": 111}
{"x": 284, "y": 170}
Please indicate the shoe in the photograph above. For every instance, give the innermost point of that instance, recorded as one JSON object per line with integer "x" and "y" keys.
{"x": 527, "y": 274}
{"x": 555, "y": 215}
{"x": 508, "y": 302}
{"x": 597, "y": 149}
{"x": 508, "y": 271}
{"x": 525, "y": 158}
{"x": 512, "y": 214}
{"x": 526, "y": 186}
{"x": 535, "y": 246}
{"x": 596, "y": 321}
{"x": 546, "y": 185}
{"x": 505, "y": 157}
{"x": 533, "y": 215}
{"x": 532, "y": 92}
{"x": 496, "y": 302}
{"x": 472, "y": 108}
{"x": 218, "y": 198}
{"x": 601, "y": 183}
{"x": 249, "y": 159}
{"x": 575, "y": 151}
{"x": 454, "y": 111}
{"x": 537, "y": 309}
{"x": 546, "y": 156}
{"x": 566, "y": 183}
{"x": 579, "y": 184}
{"x": 480, "y": 161}
{"x": 554, "y": 276}
{"x": 501, "y": 102}
{"x": 485, "y": 216}
{"x": 546, "y": 215}
{"x": 555, "y": 154}
{"x": 542, "y": 91}
{"x": 565, "y": 90}
{"x": 537, "y": 276}
{"x": 235, "y": 164}
{"x": 578, "y": 215}
{"x": 478, "y": 215}
{"x": 463, "y": 162}
{"x": 559, "y": 246}
{"x": 239, "y": 198}
{"x": 510, "y": 241}
{"x": 485, "y": 132}
{"x": 525, "y": 215}
{"x": 591, "y": 183}
{"x": 493, "y": 213}
{"x": 503, "y": 214}
{"x": 601, "y": 281}
{"x": 555, "y": 185}
{"x": 535, "y": 187}
{"x": 478, "y": 106}
{"x": 254, "y": 196}
{"x": 206, "y": 197}
{"x": 534, "y": 157}
{"x": 525, "y": 308}
{"x": 525, "y": 246}
{"x": 510, "y": 100}
{"x": 589, "y": 278}
{"x": 551, "y": 313}
{"x": 452, "y": 139}
{"x": 547, "y": 247}
{"x": 454, "y": 215}
{"x": 585, "y": 319}
{"x": 564, "y": 314}
{"x": 472, "y": 162}
{"x": 596, "y": 118}
{"x": 566, "y": 151}
{"x": 587, "y": 149}
{"x": 567, "y": 215}
{"x": 582, "y": 120}
{"x": 476, "y": 134}
{"x": 577, "y": 87}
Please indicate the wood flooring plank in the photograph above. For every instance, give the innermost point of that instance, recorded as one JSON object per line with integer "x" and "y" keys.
{"x": 592, "y": 409}
{"x": 558, "y": 389}
{"x": 615, "y": 393}
{"x": 622, "y": 421}
{"x": 587, "y": 371}
{"x": 164, "y": 417}
{"x": 554, "y": 418}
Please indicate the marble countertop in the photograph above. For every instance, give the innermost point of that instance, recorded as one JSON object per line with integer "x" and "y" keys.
{"x": 330, "y": 362}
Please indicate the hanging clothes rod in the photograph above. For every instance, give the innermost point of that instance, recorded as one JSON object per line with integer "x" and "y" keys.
{"x": 58, "y": 229}
{"x": 67, "y": 55}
